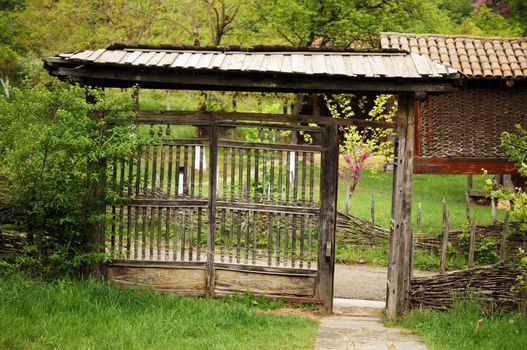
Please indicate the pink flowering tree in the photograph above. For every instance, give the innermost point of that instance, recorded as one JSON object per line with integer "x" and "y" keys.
{"x": 361, "y": 144}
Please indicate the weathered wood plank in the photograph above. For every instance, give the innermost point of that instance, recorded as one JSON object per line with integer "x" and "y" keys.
{"x": 232, "y": 282}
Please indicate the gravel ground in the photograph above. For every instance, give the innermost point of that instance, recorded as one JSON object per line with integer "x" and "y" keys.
{"x": 363, "y": 281}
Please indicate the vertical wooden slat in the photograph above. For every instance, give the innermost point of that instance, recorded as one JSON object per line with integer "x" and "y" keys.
{"x": 152, "y": 234}
{"x": 238, "y": 235}
{"x": 162, "y": 173}
{"x": 154, "y": 170}
{"x": 168, "y": 220}
{"x": 256, "y": 162}
{"x": 264, "y": 175}
{"x": 183, "y": 233}
{"x": 295, "y": 180}
{"x": 311, "y": 178}
{"x": 419, "y": 213}
{"x": 233, "y": 173}
{"x": 136, "y": 232}
{"x": 114, "y": 209}
{"x": 198, "y": 248}
{"x": 176, "y": 230}
{"x": 248, "y": 177}
{"x": 146, "y": 171}
{"x": 286, "y": 239}
{"x": 143, "y": 233}
{"x": 186, "y": 170}
{"x": 304, "y": 175}
{"x": 270, "y": 239}
{"x": 493, "y": 209}
{"x": 271, "y": 178}
{"x": 231, "y": 229}
{"x": 280, "y": 176}
{"x": 302, "y": 247}
{"x": 129, "y": 208}
{"x": 467, "y": 204}
{"x": 191, "y": 229}
{"x": 288, "y": 176}
{"x": 327, "y": 218}
{"x": 240, "y": 174}
{"x": 159, "y": 231}
{"x": 225, "y": 173}
{"x": 247, "y": 233}
{"x": 192, "y": 169}
{"x": 222, "y": 241}
{"x": 169, "y": 174}
{"x": 177, "y": 186}
{"x": 255, "y": 231}
{"x": 212, "y": 207}
{"x": 293, "y": 240}
{"x": 472, "y": 244}
{"x": 309, "y": 240}
{"x": 278, "y": 235}
{"x": 200, "y": 176}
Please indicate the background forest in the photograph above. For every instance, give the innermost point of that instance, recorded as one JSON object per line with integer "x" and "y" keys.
{"x": 31, "y": 29}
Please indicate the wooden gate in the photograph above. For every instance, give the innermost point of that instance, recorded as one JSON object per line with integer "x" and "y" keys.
{"x": 239, "y": 208}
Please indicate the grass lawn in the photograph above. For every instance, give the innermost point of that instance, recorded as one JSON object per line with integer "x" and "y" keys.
{"x": 455, "y": 329}
{"x": 428, "y": 190}
{"x": 94, "y": 315}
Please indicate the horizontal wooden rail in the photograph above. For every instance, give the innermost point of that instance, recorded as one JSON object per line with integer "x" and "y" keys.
{"x": 200, "y": 117}
{"x": 272, "y": 146}
{"x": 268, "y": 208}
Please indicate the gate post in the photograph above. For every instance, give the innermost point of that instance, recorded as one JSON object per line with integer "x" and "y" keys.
{"x": 401, "y": 247}
{"x": 328, "y": 217}
{"x": 210, "y": 274}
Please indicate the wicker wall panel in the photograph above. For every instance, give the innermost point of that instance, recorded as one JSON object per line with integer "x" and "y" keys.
{"x": 469, "y": 124}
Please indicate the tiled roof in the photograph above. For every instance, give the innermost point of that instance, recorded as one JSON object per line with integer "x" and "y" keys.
{"x": 476, "y": 57}
{"x": 387, "y": 64}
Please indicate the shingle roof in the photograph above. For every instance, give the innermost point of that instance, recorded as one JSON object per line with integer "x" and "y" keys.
{"x": 476, "y": 57}
{"x": 387, "y": 64}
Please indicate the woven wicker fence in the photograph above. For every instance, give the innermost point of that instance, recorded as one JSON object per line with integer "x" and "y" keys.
{"x": 469, "y": 124}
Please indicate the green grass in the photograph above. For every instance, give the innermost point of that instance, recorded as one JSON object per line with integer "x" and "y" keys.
{"x": 378, "y": 255}
{"x": 94, "y": 315}
{"x": 455, "y": 329}
{"x": 428, "y": 190}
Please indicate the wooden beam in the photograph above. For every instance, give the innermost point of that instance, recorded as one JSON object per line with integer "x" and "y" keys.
{"x": 159, "y": 78}
{"x": 467, "y": 166}
{"x": 328, "y": 218}
{"x": 185, "y": 117}
{"x": 401, "y": 242}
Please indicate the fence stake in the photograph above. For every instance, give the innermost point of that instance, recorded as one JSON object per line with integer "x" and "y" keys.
{"x": 443, "y": 205}
{"x": 442, "y": 264}
{"x": 503, "y": 240}
{"x": 472, "y": 244}
{"x": 418, "y": 225}
{"x": 467, "y": 200}
{"x": 373, "y": 208}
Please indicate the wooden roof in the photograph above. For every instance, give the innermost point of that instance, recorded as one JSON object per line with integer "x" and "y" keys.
{"x": 108, "y": 67}
{"x": 476, "y": 57}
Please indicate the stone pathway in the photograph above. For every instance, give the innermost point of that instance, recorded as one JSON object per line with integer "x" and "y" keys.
{"x": 357, "y": 325}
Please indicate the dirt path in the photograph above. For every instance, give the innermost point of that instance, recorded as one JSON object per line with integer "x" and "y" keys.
{"x": 362, "y": 281}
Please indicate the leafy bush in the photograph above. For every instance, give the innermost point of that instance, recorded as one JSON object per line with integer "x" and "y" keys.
{"x": 53, "y": 147}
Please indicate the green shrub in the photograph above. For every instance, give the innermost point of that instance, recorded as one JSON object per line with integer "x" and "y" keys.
{"x": 53, "y": 145}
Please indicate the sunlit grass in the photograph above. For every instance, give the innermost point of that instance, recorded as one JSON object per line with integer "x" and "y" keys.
{"x": 94, "y": 315}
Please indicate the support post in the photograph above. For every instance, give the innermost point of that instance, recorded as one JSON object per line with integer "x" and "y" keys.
{"x": 211, "y": 278}
{"x": 401, "y": 240}
{"x": 328, "y": 218}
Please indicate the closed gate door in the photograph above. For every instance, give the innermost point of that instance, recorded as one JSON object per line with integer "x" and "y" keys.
{"x": 237, "y": 209}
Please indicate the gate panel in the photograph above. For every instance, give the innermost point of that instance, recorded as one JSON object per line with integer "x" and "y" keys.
{"x": 261, "y": 190}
